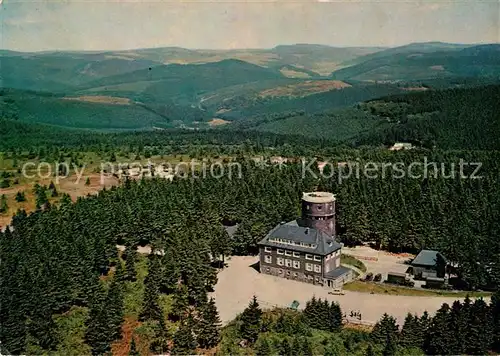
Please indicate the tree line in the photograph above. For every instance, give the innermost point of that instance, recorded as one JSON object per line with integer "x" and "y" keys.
{"x": 468, "y": 327}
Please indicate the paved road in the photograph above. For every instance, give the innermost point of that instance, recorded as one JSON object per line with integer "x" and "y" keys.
{"x": 239, "y": 282}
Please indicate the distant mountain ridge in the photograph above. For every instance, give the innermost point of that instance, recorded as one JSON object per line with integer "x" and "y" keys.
{"x": 425, "y": 61}
{"x": 178, "y": 87}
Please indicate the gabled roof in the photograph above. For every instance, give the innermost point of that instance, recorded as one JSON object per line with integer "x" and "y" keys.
{"x": 296, "y": 234}
{"x": 427, "y": 258}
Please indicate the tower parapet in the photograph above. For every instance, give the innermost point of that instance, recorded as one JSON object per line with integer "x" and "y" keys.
{"x": 318, "y": 211}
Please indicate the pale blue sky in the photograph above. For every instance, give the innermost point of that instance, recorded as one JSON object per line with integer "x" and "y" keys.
{"x": 106, "y": 24}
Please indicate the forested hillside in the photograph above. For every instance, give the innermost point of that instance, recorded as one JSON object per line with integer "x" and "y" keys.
{"x": 449, "y": 119}
{"x": 176, "y": 87}
{"x": 462, "y": 118}
{"x": 410, "y": 63}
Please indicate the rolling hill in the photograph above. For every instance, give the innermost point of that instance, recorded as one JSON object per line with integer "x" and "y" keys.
{"x": 177, "y": 87}
{"x": 60, "y": 72}
{"x": 423, "y": 62}
{"x": 78, "y": 112}
{"x": 465, "y": 118}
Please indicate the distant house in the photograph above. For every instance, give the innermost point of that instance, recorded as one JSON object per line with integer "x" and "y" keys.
{"x": 429, "y": 264}
{"x": 401, "y": 146}
{"x": 278, "y": 160}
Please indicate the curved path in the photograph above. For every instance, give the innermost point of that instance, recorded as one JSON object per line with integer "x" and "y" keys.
{"x": 238, "y": 282}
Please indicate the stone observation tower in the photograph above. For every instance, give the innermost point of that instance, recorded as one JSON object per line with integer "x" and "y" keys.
{"x": 318, "y": 211}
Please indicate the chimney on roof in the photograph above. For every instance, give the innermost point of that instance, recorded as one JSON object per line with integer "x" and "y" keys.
{"x": 307, "y": 230}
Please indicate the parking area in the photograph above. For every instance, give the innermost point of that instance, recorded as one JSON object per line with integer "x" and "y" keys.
{"x": 238, "y": 282}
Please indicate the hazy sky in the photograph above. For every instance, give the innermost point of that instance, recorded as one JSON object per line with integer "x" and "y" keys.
{"x": 104, "y": 24}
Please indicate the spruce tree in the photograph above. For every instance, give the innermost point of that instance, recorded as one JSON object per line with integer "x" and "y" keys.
{"x": 306, "y": 347}
{"x": 130, "y": 257}
{"x": 20, "y": 197}
{"x": 334, "y": 317}
{"x": 440, "y": 335}
{"x": 208, "y": 325}
{"x": 184, "y": 342}
{"x": 386, "y": 328}
{"x": 160, "y": 344}
{"x": 250, "y": 321}
{"x": 180, "y": 303}
{"x": 151, "y": 309}
{"x": 3, "y": 204}
{"x": 262, "y": 348}
{"x": 390, "y": 347}
{"x": 412, "y": 333}
{"x": 480, "y": 329}
{"x": 296, "y": 345}
{"x": 285, "y": 349}
{"x": 97, "y": 334}
{"x": 459, "y": 320}
{"x": 114, "y": 309}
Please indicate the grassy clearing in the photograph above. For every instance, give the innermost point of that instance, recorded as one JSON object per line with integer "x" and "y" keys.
{"x": 352, "y": 261}
{"x": 383, "y": 288}
{"x": 71, "y": 331}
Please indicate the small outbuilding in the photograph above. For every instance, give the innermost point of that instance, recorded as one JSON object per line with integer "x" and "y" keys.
{"x": 429, "y": 263}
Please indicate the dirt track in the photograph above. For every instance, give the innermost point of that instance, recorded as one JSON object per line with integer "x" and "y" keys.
{"x": 239, "y": 282}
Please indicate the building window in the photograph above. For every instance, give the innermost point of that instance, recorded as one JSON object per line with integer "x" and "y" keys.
{"x": 280, "y": 261}
{"x": 296, "y": 264}
{"x": 310, "y": 277}
{"x": 267, "y": 269}
{"x": 337, "y": 252}
{"x": 309, "y": 267}
{"x": 280, "y": 271}
{"x": 309, "y": 257}
{"x": 288, "y": 263}
{"x": 268, "y": 249}
{"x": 288, "y": 253}
{"x": 317, "y": 258}
{"x": 317, "y": 268}
{"x": 279, "y": 251}
{"x": 295, "y": 274}
{"x": 268, "y": 259}
{"x": 296, "y": 254}
{"x": 287, "y": 273}
{"x": 337, "y": 263}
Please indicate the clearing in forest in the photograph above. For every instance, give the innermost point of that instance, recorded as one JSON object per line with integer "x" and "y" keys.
{"x": 305, "y": 88}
